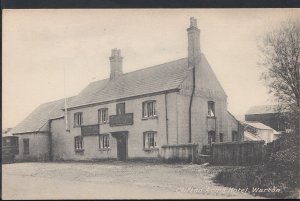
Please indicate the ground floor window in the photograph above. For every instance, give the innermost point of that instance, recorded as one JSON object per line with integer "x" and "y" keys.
{"x": 78, "y": 143}
{"x": 150, "y": 140}
{"x": 221, "y": 137}
{"x": 211, "y": 137}
{"x": 234, "y": 136}
{"x": 26, "y": 146}
{"x": 104, "y": 141}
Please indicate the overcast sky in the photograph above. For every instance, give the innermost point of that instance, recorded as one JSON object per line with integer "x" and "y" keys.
{"x": 39, "y": 44}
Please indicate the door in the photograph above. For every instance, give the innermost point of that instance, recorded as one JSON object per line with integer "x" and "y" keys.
{"x": 26, "y": 146}
{"x": 122, "y": 147}
{"x": 211, "y": 137}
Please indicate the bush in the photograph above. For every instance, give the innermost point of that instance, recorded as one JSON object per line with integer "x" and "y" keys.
{"x": 288, "y": 158}
{"x": 261, "y": 177}
{"x": 285, "y": 142}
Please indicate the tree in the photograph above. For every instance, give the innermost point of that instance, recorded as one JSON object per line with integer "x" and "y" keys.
{"x": 281, "y": 61}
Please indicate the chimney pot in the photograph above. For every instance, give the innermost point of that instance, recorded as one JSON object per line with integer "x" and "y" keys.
{"x": 193, "y": 22}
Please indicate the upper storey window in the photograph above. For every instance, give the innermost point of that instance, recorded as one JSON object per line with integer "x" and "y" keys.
{"x": 103, "y": 115}
{"x": 120, "y": 108}
{"x": 149, "y": 108}
{"x": 77, "y": 119}
{"x": 211, "y": 108}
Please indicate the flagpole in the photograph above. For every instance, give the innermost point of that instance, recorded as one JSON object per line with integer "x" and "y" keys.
{"x": 66, "y": 107}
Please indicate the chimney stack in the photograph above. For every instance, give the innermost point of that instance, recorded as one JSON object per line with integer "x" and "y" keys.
{"x": 116, "y": 68}
{"x": 194, "y": 51}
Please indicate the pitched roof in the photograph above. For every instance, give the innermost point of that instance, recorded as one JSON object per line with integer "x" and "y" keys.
{"x": 37, "y": 119}
{"x": 251, "y": 137}
{"x": 258, "y": 125}
{"x": 262, "y": 109}
{"x": 229, "y": 113}
{"x": 159, "y": 78}
{"x": 153, "y": 79}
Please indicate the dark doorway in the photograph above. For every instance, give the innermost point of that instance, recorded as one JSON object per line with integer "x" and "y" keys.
{"x": 122, "y": 141}
{"x": 211, "y": 137}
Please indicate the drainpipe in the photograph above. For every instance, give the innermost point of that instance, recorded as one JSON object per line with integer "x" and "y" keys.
{"x": 167, "y": 124}
{"x": 190, "y": 107}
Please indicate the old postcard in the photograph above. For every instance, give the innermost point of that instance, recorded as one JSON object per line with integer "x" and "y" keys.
{"x": 150, "y": 103}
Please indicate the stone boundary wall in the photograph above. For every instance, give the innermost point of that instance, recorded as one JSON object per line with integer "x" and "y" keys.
{"x": 179, "y": 152}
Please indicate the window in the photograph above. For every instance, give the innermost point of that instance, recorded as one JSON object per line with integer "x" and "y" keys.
{"x": 234, "y": 136}
{"x": 150, "y": 140}
{"x": 77, "y": 119}
{"x": 211, "y": 108}
{"x": 120, "y": 108}
{"x": 149, "y": 109}
{"x": 103, "y": 115}
{"x": 9, "y": 141}
{"x": 78, "y": 143}
{"x": 6, "y": 141}
{"x": 26, "y": 146}
{"x": 104, "y": 141}
{"x": 221, "y": 137}
{"x": 211, "y": 137}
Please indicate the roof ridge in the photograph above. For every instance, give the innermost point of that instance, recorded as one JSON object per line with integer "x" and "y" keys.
{"x": 157, "y": 65}
{"x": 146, "y": 68}
{"x": 264, "y": 105}
{"x": 172, "y": 72}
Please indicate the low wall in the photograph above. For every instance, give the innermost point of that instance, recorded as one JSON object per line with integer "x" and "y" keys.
{"x": 237, "y": 153}
{"x": 179, "y": 152}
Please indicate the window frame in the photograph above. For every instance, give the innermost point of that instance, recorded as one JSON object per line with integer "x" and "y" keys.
{"x": 148, "y": 113}
{"x": 100, "y": 113}
{"x": 147, "y": 146}
{"x": 221, "y": 137}
{"x": 102, "y": 142}
{"x": 211, "y": 137}
{"x": 78, "y": 114}
{"x": 122, "y": 112}
{"x": 80, "y": 147}
{"x": 7, "y": 141}
{"x": 211, "y": 109}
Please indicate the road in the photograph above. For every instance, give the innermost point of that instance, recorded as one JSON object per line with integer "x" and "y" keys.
{"x": 112, "y": 180}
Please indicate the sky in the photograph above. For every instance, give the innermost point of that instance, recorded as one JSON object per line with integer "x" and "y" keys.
{"x": 40, "y": 45}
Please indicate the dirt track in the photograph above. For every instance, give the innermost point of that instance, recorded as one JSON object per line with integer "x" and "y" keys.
{"x": 111, "y": 180}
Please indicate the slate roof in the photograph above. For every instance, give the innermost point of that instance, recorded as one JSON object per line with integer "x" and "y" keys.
{"x": 262, "y": 109}
{"x": 258, "y": 125}
{"x": 164, "y": 77}
{"x": 37, "y": 119}
{"x": 229, "y": 113}
{"x": 153, "y": 79}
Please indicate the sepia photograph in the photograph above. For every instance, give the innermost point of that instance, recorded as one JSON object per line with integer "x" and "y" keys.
{"x": 150, "y": 103}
